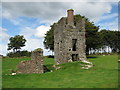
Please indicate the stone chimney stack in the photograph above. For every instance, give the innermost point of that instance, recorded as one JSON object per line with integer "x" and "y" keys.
{"x": 70, "y": 17}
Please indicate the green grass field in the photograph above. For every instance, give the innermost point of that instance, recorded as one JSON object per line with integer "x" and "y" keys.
{"x": 103, "y": 75}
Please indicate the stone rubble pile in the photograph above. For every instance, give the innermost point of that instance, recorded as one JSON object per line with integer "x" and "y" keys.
{"x": 87, "y": 66}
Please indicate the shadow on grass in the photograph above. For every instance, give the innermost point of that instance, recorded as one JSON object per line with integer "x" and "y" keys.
{"x": 48, "y": 68}
{"x": 50, "y": 56}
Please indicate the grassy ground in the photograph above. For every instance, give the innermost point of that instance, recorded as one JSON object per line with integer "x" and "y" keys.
{"x": 103, "y": 75}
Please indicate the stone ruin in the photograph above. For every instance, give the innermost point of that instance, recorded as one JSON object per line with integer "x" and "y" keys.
{"x": 69, "y": 39}
{"x": 69, "y": 45}
{"x": 32, "y": 66}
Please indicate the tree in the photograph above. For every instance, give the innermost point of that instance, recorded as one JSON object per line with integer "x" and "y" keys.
{"x": 16, "y": 43}
{"x": 49, "y": 39}
{"x": 110, "y": 39}
{"x": 92, "y": 37}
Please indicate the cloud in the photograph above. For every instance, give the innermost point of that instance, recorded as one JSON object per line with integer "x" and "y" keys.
{"x": 92, "y": 10}
{"x": 6, "y": 14}
{"x": 3, "y": 35}
{"x": 34, "y": 43}
{"x": 3, "y": 49}
{"x": 52, "y": 11}
{"x": 27, "y": 31}
{"x": 41, "y": 30}
{"x": 60, "y": 1}
{"x": 35, "y": 38}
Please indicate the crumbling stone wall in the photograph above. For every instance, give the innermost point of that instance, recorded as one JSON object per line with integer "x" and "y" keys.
{"x": 32, "y": 66}
{"x": 69, "y": 40}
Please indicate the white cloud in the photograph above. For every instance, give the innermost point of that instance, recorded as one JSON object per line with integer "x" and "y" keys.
{"x": 35, "y": 38}
{"x": 32, "y": 44}
{"x": 27, "y": 31}
{"x": 3, "y": 35}
{"x": 92, "y": 10}
{"x": 35, "y": 43}
{"x": 60, "y": 0}
{"x": 52, "y": 11}
{"x": 41, "y": 30}
{"x": 3, "y": 49}
{"x": 6, "y": 14}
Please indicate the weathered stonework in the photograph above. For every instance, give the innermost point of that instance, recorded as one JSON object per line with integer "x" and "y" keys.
{"x": 69, "y": 39}
{"x": 32, "y": 66}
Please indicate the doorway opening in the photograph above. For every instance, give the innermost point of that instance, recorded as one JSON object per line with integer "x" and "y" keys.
{"x": 75, "y": 57}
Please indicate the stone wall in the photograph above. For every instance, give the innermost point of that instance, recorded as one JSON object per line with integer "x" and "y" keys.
{"x": 32, "y": 66}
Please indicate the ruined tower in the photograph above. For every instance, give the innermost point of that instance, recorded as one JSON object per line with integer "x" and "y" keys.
{"x": 69, "y": 39}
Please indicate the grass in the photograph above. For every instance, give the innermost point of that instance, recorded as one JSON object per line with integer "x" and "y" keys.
{"x": 103, "y": 75}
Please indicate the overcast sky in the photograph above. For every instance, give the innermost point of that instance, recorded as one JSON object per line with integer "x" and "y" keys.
{"x": 33, "y": 19}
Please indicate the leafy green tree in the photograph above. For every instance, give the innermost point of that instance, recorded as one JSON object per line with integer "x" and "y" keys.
{"x": 92, "y": 37}
{"x": 16, "y": 43}
{"x": 110, "y": 39}
{"x": 117, "y": 41}
{"x": 114, "y": 40}
{"x": 49, "y": 39}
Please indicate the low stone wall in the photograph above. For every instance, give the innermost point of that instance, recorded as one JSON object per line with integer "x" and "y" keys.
{"x": 32, "y": 66}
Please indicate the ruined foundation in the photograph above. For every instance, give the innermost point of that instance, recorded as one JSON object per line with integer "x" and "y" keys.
{"x": 32, "y": 66}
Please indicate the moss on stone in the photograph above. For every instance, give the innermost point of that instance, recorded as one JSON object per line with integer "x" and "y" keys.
{"x": 70, "y": 9}
{"x": 38, "y": 50}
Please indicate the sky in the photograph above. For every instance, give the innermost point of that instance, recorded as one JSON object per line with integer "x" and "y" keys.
{"x": 33, "y": 19}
